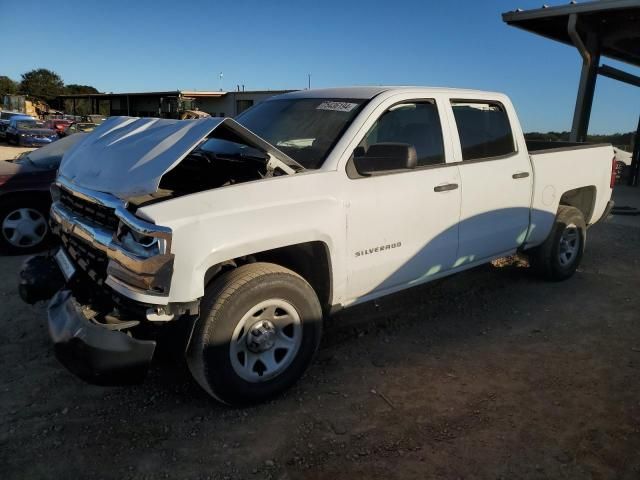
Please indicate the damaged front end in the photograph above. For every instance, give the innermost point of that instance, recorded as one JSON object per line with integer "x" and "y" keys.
{"x": 111, "y": 245}
{"x": 113, "y": 271}
{"x": 112, "y": 275}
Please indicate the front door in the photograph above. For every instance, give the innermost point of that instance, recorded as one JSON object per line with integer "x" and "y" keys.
{"x": 403, "y": 226}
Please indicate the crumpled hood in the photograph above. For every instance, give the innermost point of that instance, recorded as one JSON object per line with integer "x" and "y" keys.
{"x": 127, "y": 156}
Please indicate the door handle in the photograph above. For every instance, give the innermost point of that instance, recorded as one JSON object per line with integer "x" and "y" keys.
{"x": 445, "y": 188}
{"x": 515, "y": 176}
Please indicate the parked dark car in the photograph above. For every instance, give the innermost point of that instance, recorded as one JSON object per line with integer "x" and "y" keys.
{"x": 25, "y": 199}
{"x": 58, "y": 124}
{"x": 5, "y": 117}
{"x": 29, "y": 133}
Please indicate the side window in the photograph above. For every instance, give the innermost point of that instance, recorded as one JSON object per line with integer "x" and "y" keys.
{"x": 484, "y": 129}
{"x": 413, "y": 123}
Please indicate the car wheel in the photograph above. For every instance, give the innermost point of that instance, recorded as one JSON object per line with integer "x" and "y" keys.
{"x": 23, "y": 226}
{"x": 559, "y": 256}
{"x": 259, "y": 328}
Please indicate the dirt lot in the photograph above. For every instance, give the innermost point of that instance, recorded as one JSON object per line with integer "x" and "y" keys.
{"x": 8, "y": 152}
{"x": 488, "y": 374}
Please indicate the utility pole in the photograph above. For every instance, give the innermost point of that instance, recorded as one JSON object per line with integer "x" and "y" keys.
{"x": 220, "y": 78}
{"x": 309, "y": 81}
{"x": 635, "y": 160}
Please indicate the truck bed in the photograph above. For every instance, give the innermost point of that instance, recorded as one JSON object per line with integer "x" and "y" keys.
{"x": 577, "y": 174}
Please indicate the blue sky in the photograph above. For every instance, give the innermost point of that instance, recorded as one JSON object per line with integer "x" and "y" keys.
{"x": 154, "y": 45}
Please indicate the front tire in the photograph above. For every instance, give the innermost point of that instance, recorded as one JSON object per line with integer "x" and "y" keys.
{"x": 559, "y": 256}
{"x": 259, "y": 328}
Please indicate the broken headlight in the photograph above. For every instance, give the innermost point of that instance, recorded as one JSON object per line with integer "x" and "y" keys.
{"x": 140, "y": 243}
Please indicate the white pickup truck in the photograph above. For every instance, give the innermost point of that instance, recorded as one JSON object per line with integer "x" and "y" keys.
{"x": 242, "y": 235}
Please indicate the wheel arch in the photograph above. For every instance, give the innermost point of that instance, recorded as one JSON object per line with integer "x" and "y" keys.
{"x": 40, "y": 195}
{"x": 311, "y": 260}
{"x": 582, "y": 198}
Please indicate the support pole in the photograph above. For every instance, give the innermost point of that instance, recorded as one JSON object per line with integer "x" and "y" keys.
{"x": 634, "y": 178}
{"x": 590, "y": 53}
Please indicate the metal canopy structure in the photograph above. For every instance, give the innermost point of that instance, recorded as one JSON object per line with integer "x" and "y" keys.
{"x": 615, "y": 22}
{"x": 609, "y": 28}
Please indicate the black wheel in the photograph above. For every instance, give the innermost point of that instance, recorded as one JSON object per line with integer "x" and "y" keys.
{"x": 23, "y": 225}
{"x": 559, "y": 256}
{"x": 259, "y": 328}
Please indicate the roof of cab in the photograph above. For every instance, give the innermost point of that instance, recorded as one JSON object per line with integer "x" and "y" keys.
{"x": 368, "y": 92}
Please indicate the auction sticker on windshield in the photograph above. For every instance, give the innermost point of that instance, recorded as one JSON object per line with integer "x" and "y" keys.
{"x": 337, "y": 106}
{"x": 65, "y": 264}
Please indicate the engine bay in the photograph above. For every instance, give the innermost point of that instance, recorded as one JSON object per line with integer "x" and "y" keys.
{"x": 215, "y": 163}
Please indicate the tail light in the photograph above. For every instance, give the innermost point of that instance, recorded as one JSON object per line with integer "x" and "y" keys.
{"x": 614, "y": 172}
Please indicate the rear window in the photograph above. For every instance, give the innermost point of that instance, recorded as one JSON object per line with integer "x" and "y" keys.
{"x": 484, "y": 129}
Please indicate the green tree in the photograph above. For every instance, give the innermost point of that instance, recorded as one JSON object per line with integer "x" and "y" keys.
{"x": 7, "y": 86}
{"x": 42, "y": 84}
{"x": 74, "y": 88}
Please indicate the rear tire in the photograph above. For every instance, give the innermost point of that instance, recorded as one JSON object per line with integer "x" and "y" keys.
{"x": 259, "y": 328}
{"x": 559, "y": 256}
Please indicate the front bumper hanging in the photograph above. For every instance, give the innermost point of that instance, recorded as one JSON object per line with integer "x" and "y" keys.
{"x": 92, "y": 351}
{"x": 96, "y": 352}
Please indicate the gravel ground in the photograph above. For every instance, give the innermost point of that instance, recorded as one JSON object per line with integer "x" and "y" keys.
{"x": 487, "y": 374}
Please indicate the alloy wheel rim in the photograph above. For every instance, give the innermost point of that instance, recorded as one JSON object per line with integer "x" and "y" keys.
{"x": 266, "y": 340}
{"x": 24, "y": 227}
{"x": 569, "y": 245}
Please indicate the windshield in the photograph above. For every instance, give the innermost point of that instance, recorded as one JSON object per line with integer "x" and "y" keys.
{"x": 9, "y": 115}
{"x": 306, "y": 129}
{"x": 228, "y": 149}
{"x": 29, "y": 124}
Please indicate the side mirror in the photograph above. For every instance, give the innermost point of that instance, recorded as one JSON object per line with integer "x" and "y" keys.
{"x": 385, "y": 157}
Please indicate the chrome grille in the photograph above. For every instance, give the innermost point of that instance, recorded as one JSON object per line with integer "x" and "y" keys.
{"x": 89, "y": 211}
{"x": 93, "y": 262}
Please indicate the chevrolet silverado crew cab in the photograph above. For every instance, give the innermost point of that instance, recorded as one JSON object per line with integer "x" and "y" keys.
{"x": 232, "y": 239}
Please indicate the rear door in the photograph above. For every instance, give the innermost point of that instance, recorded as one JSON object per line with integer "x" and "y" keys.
{"x": 496, "y": 180}
{"x": 403, "y": 226}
